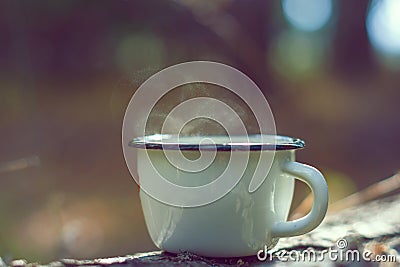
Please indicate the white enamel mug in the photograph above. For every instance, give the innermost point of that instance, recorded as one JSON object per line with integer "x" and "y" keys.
{"x": 240, "y": 223}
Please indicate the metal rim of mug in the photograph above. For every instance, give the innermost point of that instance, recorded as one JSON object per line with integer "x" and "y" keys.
{"x": 159, "y": 142}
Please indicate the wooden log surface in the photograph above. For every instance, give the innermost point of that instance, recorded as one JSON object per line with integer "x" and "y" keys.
{"x": 374, "y": 226}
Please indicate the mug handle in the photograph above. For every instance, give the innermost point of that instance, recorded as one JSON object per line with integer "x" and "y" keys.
{"x": 315, "y": 180}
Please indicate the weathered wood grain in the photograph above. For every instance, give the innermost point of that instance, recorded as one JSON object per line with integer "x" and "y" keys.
{"x": 374, "y": 226}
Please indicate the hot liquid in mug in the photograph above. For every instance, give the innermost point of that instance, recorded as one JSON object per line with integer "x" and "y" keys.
{"x": 241, "y": 222}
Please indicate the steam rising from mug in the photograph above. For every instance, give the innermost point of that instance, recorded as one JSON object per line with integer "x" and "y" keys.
{"x": 152, "y": 90}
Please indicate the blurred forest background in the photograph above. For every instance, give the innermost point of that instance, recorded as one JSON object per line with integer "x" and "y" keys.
{"x": 329, "y": 69}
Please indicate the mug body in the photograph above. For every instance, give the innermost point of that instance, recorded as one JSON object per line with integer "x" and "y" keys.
{"x": 238, "y": 224}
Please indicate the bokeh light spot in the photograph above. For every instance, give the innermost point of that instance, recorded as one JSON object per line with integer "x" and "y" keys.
{"x": 307, "y": 15}
{"x": 383, "y": 26}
